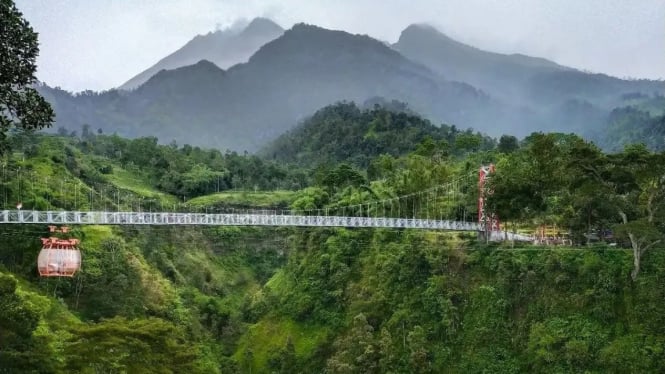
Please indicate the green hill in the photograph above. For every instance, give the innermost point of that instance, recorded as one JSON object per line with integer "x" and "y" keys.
{"x": 346, "y": 133}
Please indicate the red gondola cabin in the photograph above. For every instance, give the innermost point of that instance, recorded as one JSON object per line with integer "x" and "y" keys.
{"x": 59, "y": 257}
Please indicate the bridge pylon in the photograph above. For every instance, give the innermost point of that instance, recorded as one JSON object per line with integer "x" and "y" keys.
{"x": 486, "y": 218}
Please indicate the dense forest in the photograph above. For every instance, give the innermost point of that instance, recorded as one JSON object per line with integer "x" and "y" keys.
{"x": 346, "y": 133}
{"x": 227, "y": 299}
{"x": 340, "y": 300}
{"x": 633, "y": 124}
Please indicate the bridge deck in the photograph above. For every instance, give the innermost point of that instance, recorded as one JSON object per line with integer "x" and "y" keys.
{"x": 215, "y": 219}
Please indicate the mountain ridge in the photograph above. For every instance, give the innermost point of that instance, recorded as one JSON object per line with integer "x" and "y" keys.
{"x": 223, "y": 47}
{"x": 309, "y": 67}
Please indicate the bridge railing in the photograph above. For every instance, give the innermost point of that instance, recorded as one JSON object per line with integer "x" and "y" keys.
{"x": 224, "y": 219}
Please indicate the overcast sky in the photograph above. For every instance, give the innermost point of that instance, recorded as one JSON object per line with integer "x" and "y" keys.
{"x": 100, "y": 44}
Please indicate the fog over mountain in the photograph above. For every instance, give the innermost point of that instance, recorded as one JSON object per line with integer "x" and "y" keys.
{"x": 309, "y": 67}
{"x": 499, "y": 74}
{"x": 224, "y": 48}
{"x": 98, "y": 45}
{"x": 560, "y": 98}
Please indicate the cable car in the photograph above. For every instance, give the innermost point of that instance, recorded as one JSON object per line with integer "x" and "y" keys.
{"x": 59, "y": 257}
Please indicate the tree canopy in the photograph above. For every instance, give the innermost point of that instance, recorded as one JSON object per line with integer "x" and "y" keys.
{"x": 21, "y": 106}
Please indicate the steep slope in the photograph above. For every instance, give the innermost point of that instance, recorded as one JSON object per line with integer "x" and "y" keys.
{"x": 494, "y": 72}
{"x": 241, "y": 299}
{"x": 287, "y": 79}
{"x": 513, "y": 77}
{"x": 224, "y": 48}
{"x": 558, "y": 98}
{"x": 153, "y": 307}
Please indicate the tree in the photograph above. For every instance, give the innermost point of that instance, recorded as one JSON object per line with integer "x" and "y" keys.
{"x": 633, "y": 184}
{"x": 21, "y": 106}
{"x": 20, "y": 350}
{"x": 284, "y": 361}
{"x": 356, "y": 352}
{"x": 387, "y": 352}
{"x": 419, "y": 356}
{"x": 468, "y": 142}
{"x": 640, "y": 181}
{"x": 311, "y": 198}
{"x": 587, "y": 202}
{"x": 508, "y": 144}
{"x": 343, "y": 175}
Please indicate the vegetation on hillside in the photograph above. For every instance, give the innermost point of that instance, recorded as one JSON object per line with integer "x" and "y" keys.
{"x": 188, "y": 299}
{"x": 338, "y": 300}
{"x": 182, "y": 171}
{"x": 635, "y": 124}
{"x": 346, "y": 133}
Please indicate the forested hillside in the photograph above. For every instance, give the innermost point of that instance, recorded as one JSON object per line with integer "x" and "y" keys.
{"x": 240, "y": 299}
{"x": 584, "y": 295}
{"x": 346, "y": 133}
{"x": 640, "y": 120}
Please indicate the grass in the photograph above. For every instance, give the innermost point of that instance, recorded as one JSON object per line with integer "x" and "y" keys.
{"x": 55, "y": 317}
{"x": 229, "y": 274}
{"x": 278, "y": 282}
{"x": 129, "y": 181}
{"x": 258, "y": 199}
{"x": 271, "y": 334}
{"x": 94, "y": 235}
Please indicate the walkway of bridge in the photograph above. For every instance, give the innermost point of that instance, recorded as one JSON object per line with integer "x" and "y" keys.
{"x": 245, "y": 219}
{"x": 265, "y": 218}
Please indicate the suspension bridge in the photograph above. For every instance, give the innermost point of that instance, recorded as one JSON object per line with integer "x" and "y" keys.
{"x": 436, "y": 208}
{"x": 265, "y": 218}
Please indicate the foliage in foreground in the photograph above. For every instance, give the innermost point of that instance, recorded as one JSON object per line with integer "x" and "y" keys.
{"x": 21, "y": 106}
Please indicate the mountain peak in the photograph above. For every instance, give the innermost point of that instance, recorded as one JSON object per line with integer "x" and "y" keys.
{"x": 304, "y": 41}
{"x": 501, "y": 75}
{"x": 427, "y": 33}
{"x": 224, "y": 48}
{"x": 201, "y": 68}
{"x": 421, "y": 27}
{"x": 207, "y": 65}
{"x": 261, "y": 25}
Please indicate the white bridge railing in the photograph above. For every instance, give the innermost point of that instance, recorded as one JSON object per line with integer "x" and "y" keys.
{"x": 216, "y": 219}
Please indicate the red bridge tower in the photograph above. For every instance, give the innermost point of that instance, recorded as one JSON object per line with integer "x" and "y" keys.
{"x": 489, "y": 220}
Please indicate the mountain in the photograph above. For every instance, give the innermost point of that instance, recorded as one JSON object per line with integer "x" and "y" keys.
{"x": 224, "y": 48}
{"x": 308, "y": 67}
{"x": 561, "y": 98}
{"x": 285, "y": 81}
{"x": 496, "y": 73}
{"x": 512, "y": 77}
{"x": 346, "y": 133}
